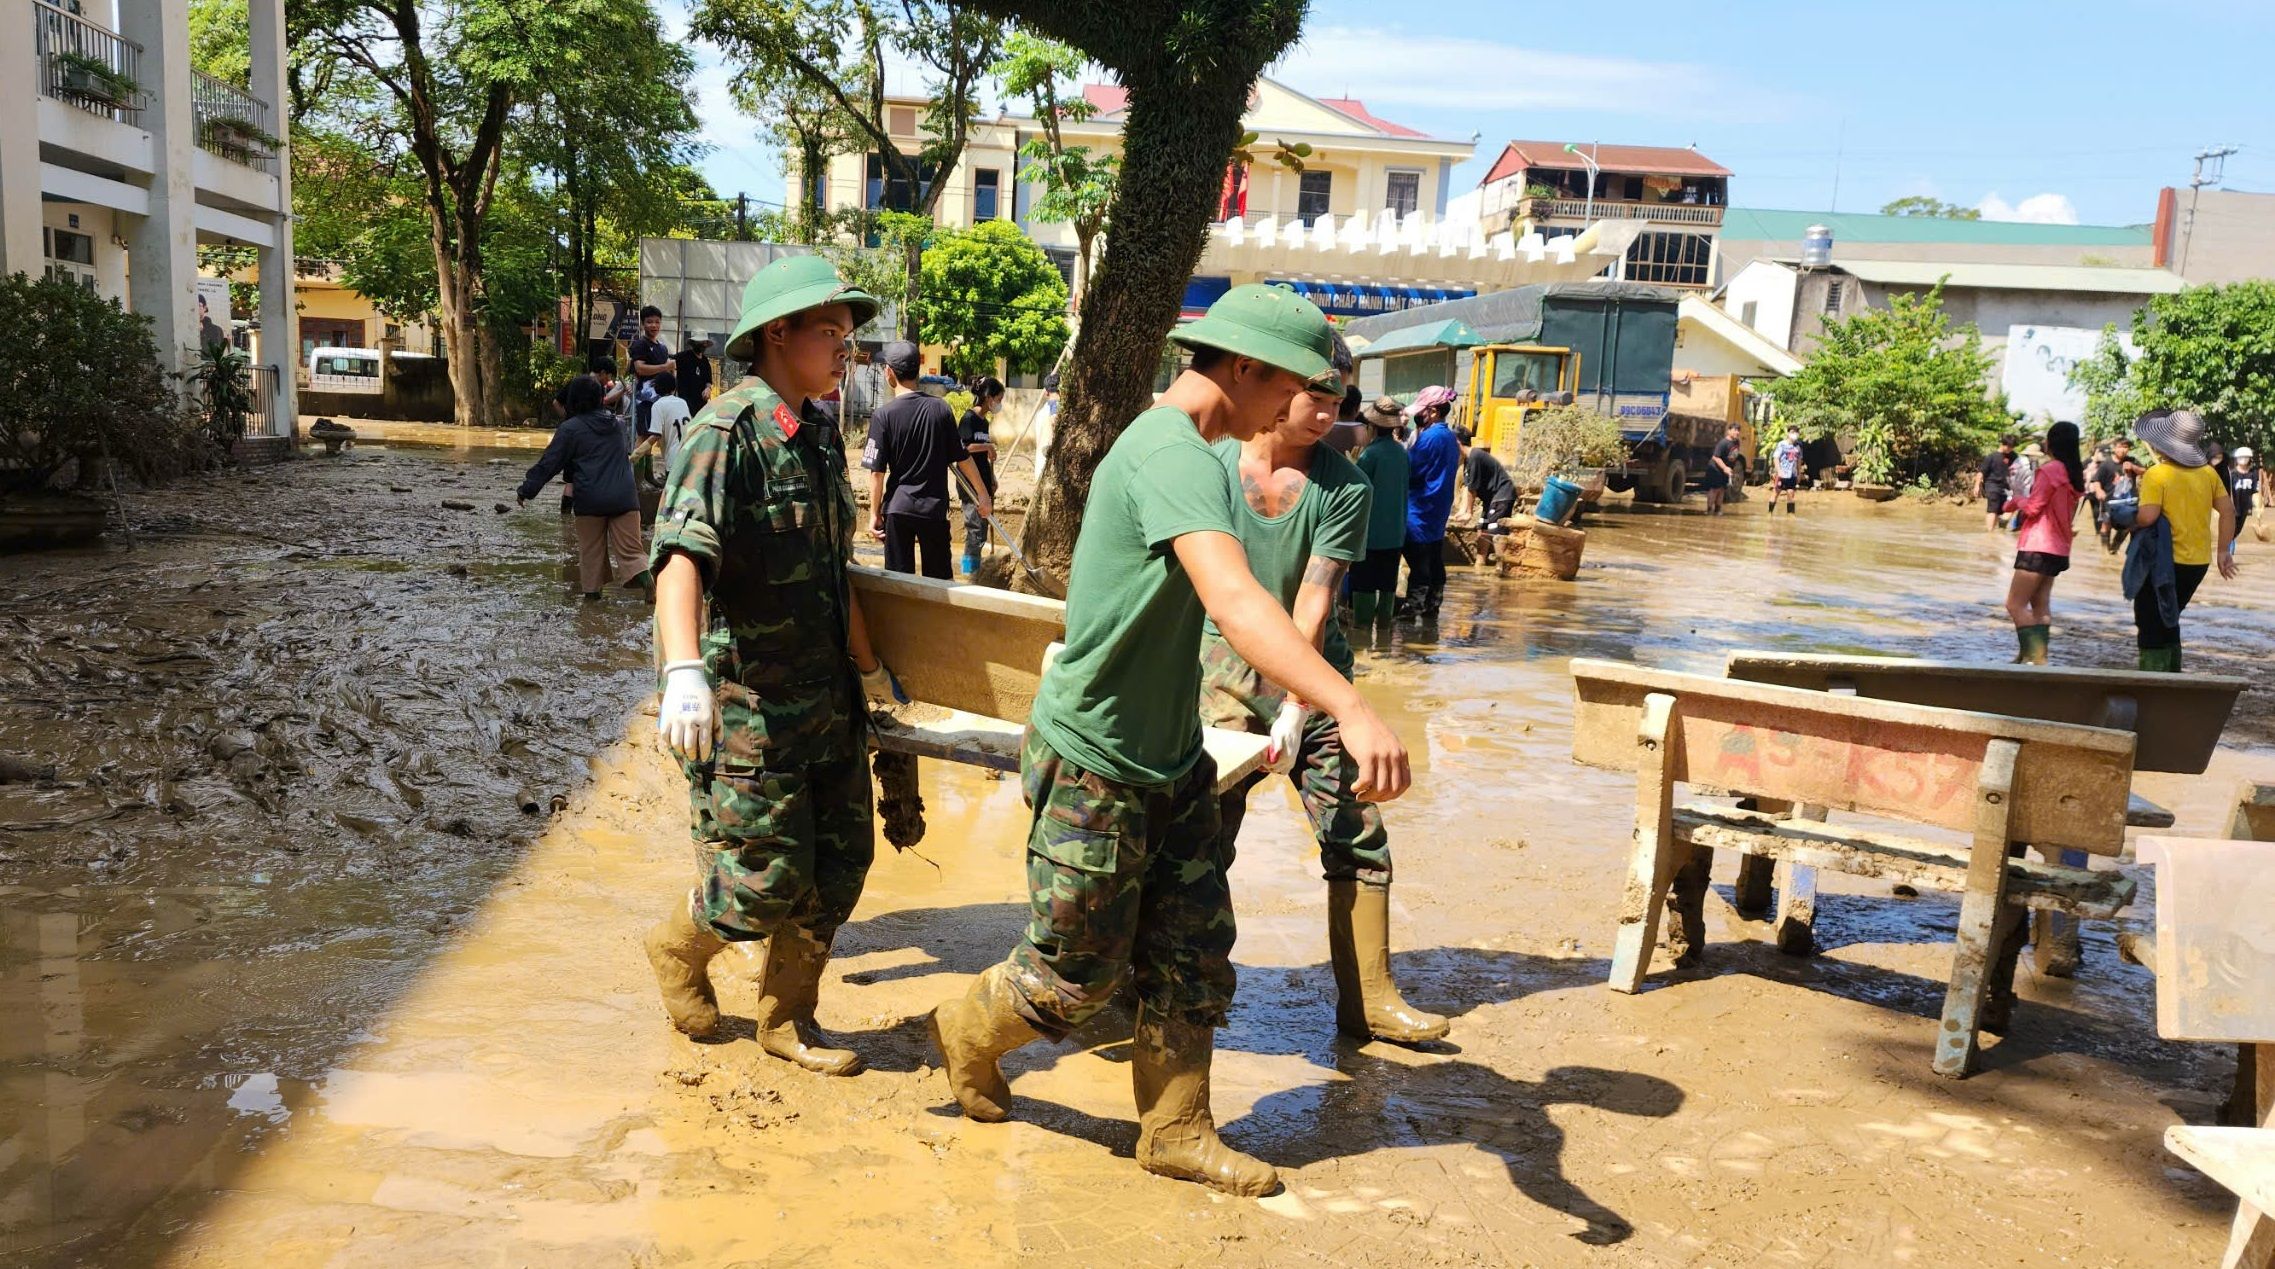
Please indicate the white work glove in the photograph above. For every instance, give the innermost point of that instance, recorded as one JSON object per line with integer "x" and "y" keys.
{"x": 1287, "y": 734}
{"x": 688, "y": 718}
{"x": 882, "y": 689}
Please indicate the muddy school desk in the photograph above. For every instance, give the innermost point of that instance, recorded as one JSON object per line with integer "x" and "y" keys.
{"x": 2176, "y": 720}
{"x": 970, "y": 659}
{"x": 2215, "y": 973}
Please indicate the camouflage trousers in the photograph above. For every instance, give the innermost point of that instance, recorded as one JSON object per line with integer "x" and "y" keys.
{"x": 1353, "y": 845}
{"x": 790, "y": 842}
{"x": 1123, "y": 880}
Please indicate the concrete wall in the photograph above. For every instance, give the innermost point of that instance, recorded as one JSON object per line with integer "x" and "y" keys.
{"x": 1732, "y": 255}
{"x": 1763, "y": 296}
{"x": 2218, "y": 235}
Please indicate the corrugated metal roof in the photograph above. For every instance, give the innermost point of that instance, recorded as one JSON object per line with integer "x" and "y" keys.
{"x": 2011, "y": 277}
{"x": 1502, "y": 317}
{"x": 1752, "y": 224}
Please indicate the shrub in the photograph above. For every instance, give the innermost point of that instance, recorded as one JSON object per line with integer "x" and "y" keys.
{"x": 1564, "y": 438}
{"x": 81, "y": 382}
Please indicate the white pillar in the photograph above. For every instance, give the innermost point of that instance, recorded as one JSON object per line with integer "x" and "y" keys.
{"x": 20, "y": 250}
{"x": 162, "y": 246}
{"x": 280, "y": 320}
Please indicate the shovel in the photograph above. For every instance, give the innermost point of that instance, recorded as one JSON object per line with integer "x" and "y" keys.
{"x": 1049, "y": 587}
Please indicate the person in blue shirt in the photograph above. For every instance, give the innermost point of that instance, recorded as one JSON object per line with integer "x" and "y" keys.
{"x": 1434, "y": 468}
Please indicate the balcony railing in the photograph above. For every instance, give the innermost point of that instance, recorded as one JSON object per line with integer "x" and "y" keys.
{"x": 84, "y": 65}
{"x": 1605, "y": 209}
{"x": 230, "y": 122}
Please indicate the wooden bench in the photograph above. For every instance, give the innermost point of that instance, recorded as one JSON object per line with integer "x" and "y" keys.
{"x": 971, "y": 659}
{"x": 2176, "y": 719}
{"x": 2000, "y": 779}
{"x": 2215, "y": 974}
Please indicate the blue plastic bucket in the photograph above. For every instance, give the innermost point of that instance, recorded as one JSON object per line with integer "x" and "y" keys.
{"x": 1557, "y": 499}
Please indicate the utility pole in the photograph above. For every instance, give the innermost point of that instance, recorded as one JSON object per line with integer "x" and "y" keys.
{"x": 2218, "y": 158}
{"x": 742, "y": 218}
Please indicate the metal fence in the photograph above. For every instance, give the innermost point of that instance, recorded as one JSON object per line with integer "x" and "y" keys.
{"x": 84, "y": 65}
{"x": 230, "y": 122}
{"x": 267, "y": 418}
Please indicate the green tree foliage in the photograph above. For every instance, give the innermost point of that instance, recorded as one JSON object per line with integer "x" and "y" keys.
{"x": 1189, "y": 66}
{"x": 2113, "y": 397}
{"x": 430, "y": 92}
{"x": 835, "y": 53}
{"x": 1922, "y": 205}
{"x": 1078, "y": 184}
{"x": 218, "y": 40}
{"x": 2212, "y": 348}
{"x": 991, "y": 296}
{"x": 83, "y": 386}
{"x": 611, "y": 145}
{"x": 1902, "y": 384}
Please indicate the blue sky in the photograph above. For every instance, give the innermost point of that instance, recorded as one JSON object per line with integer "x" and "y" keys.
{"x": 2079, "y": 110}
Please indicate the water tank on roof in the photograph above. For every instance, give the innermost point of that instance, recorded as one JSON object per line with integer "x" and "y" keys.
{"x": 1816, "y": 247}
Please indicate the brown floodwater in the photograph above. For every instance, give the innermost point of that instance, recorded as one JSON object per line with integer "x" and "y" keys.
{"x": 288, "y": 976}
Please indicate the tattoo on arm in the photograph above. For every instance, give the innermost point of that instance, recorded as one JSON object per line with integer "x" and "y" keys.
{"x": 1322, "y": 571}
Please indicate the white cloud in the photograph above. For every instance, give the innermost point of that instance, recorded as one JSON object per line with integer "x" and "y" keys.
{"x": 1389, "y": 67}
{"x": 2038, "y": 209}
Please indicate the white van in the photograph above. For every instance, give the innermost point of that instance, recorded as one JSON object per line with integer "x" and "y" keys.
{"x": 344, "y": 370}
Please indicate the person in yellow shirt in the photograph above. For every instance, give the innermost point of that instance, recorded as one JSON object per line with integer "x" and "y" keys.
{"x": 2184, "y": 491}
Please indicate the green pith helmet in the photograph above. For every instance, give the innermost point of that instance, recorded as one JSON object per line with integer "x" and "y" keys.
{"x": 793, "y": 284}
{"x": 1269, "y": 323}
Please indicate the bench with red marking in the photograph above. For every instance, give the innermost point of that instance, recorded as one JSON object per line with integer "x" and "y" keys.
{"x": 1999, "y": 779}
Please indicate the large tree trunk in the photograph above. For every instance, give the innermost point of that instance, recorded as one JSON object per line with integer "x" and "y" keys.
{"x": 1173, "y": 155}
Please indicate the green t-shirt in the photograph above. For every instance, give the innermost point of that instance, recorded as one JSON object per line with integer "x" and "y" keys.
{"x": 1123, "y": 698}
{"x": 1329, "y": 520}
{"x": 1386, "y": 465}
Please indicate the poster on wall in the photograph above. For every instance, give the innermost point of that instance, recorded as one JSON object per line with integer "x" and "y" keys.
{"x": 212, "y": 311}
{"x": 2037, "y": 371}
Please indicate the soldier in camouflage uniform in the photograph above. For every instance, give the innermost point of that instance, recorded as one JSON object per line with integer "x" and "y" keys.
{"x": 1302, "y": 525}
{"x": 1126, "y": 870}
{"x": 764, "y": 696}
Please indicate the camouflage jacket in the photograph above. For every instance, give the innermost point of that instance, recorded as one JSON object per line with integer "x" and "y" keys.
{"x": 758, "y": 498}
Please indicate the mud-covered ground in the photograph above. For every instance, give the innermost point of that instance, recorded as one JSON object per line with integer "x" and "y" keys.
{"x": 289, "y": 976}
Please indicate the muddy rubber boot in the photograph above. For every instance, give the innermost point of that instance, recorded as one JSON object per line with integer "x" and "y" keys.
{"x": 2032, "y": 643}
{"x": 1362, "y": 609}
{"x": 2166, "y": 660}
{"x": 1169, "y": 1071}
{"x": 680, "y": 949}
{"x": 972, "y": 1033}
{"x": 788, "y": 987}
{"x": 1368, "y": 1005}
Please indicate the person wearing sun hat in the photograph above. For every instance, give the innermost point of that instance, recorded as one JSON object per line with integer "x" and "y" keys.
{"x": 1125, "y": 867}
{"x": 2174, "y": 543}
{"x": 766, "y": 664}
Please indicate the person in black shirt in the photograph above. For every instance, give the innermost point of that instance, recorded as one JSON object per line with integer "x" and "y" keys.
{"x": 2243, "y": 486}
{"x": 912, "y": 443}
{"x": 979, "y": 445}
{"x": 691, "y": 370}
{"x": 651, "y": 356}
{"x": 1991, "y": 481}
{"x": 1725, "y": 468}
{"x": 1486, "y": 482}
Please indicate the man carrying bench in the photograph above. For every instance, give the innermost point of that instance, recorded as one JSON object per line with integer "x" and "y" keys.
{"x": 1125, "y": 866}
{"x": 1303, "y": 516}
